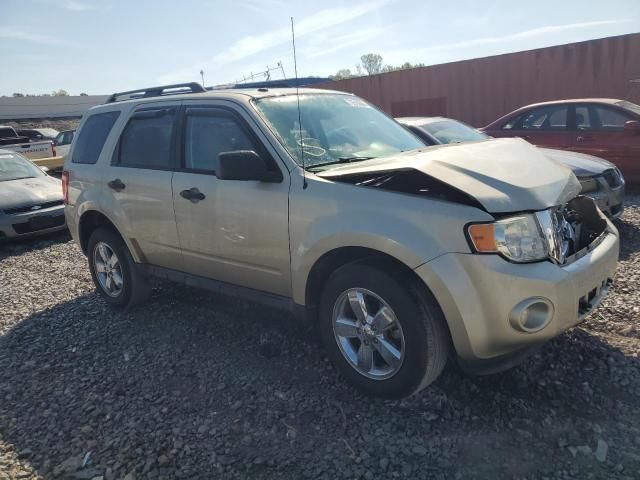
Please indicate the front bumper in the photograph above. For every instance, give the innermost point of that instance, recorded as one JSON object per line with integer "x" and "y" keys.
{"x": 477, "y": 294}
{"x": 32, "y": 223}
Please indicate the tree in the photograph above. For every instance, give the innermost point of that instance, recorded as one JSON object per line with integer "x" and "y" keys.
{"x": 60, "y": 93}
{"x": 342, "y": 74}
{"x": 83, "y": 94}
{"x": 18, "y": 95}
{"x": 372, "y": 63}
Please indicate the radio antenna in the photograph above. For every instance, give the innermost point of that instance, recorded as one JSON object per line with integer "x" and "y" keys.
{"x": 301, "y": 142}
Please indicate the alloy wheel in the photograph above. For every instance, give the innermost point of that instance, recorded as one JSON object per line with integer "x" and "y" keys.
{"x": 368, "y": 333}
{"x": 108, "y": 269}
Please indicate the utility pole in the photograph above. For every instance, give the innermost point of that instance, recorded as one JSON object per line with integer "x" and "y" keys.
{"x": 202, "y": 75}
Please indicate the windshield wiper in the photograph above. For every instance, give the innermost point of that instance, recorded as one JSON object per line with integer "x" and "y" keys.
{"x": 343, "y": 160}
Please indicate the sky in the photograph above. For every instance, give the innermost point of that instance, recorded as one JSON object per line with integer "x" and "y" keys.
{"x": 98, "y": 47}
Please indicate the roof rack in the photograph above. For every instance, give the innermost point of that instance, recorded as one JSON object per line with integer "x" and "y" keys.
{"x": 175, "y": 89}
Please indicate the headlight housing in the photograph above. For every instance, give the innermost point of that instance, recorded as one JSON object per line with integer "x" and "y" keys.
{"x": 518, "y": 239}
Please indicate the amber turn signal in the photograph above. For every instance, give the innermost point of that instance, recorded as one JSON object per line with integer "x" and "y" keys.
{"x": 483, "y": 237}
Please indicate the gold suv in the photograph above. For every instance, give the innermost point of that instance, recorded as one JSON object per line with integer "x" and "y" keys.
{"x": 318, "y": 202}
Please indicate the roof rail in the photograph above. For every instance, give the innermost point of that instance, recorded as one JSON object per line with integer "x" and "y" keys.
{"x": 180, "y": 88}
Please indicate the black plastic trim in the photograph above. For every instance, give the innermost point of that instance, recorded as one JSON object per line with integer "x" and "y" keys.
{"x": 158, "y": 91}
{"x": 217, "y": 286}
{"x": 498, "y": 364}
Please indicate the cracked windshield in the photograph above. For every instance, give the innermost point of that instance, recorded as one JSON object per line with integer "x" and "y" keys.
{"x": 335, "y": 129}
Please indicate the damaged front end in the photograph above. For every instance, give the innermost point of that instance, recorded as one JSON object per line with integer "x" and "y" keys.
{"x": 560, "y": 234}
{"x": 411, "y": 182}
{"x": 572, "y": 230}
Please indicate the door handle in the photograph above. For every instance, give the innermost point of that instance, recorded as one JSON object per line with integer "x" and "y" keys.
{"x": 583, "y": 139}
{"x": 193, "y": 194}
{"x": 116, "y": 185}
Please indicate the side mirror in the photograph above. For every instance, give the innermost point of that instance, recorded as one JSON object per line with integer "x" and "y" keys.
{"x": 632, "y": 127}
{"x": 245, "y": 165}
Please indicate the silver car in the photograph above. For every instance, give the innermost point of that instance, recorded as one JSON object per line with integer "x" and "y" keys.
{"x": 30, "y": 200}
{"x": 317, "y": 202}
{"x": 600, "y": 179}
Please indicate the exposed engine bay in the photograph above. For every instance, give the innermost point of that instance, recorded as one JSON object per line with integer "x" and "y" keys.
{"x": 572, "y": 230}
{"x": 414, "y": 183}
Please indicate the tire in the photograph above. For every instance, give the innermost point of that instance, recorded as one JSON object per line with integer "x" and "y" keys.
{"x": 422, "y": 338}
{"x": 134, "y": 288}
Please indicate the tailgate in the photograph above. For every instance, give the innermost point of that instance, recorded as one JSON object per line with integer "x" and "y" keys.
{"x": 33, "y": 150}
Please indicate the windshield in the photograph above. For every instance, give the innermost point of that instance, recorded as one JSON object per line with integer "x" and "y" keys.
{"x": 335, "y": 128}
{"x": 629, "y": 106}
{"x": 13, "y": 167}
{"x": 452, "y": 131}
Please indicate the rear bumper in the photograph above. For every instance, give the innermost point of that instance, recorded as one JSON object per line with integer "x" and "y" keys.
{"x": 478, "y": 294}
{"x": 32, "y": 223}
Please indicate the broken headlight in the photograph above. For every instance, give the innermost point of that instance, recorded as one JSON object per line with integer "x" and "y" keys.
{"x": 517, "y": 238}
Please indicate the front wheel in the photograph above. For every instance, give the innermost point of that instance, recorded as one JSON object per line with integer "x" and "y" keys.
{"x": 384, "y": 334}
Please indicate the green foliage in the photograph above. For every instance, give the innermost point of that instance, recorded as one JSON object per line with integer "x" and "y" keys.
{"x": 371, "y": 63}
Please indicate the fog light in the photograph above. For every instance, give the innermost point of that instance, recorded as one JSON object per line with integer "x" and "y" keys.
{"x": 531, "y": 315}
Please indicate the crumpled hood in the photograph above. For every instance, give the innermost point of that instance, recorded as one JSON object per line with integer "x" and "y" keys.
{"x": 29, "y": 191}
{"x": 503, "y": 175}
{"x": 583, "y": 165}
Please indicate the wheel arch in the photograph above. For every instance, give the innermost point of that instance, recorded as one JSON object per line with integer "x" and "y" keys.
{"x": 338, "y": 257}
{"x": 92, "y": 219}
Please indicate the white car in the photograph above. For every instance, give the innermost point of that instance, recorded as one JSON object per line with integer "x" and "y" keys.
{"x": 63, "y": 142}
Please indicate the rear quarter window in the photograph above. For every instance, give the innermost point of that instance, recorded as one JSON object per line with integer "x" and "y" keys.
{"x": 91, "y": 139}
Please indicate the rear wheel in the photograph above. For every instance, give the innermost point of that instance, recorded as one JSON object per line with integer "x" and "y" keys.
{"x": 386, "y": 336}
{"x": 113, "y": 270}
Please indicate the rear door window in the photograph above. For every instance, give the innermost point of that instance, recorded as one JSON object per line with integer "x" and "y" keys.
{"x": 92, "y": 137}
{"x": 553, "y": 117}
{"x": 146, "y": 140}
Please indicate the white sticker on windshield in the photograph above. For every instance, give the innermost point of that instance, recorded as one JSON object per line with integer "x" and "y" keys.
{"x": 357, "y": 102}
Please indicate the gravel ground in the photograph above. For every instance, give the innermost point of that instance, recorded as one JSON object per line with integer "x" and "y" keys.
{"x": 199, "y": 386}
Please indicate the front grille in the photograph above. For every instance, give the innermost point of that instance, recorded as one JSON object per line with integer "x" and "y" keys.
{"x": 613, "y": 178}
{"x": 38, "y": 223}
{"x": 32, "y": 207}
